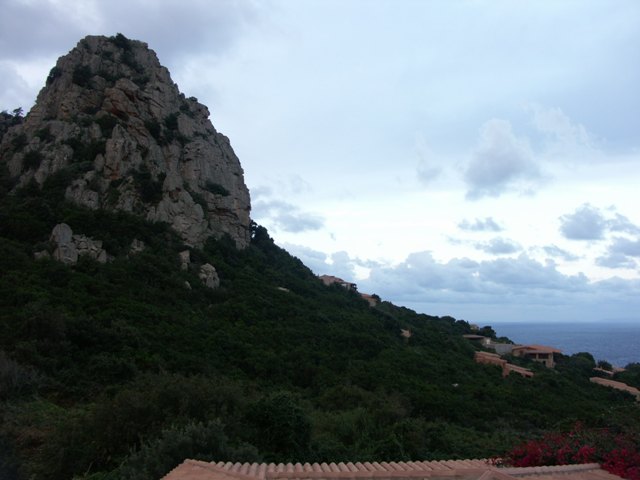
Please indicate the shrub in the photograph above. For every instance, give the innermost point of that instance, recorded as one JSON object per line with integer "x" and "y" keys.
{"x": 198, "y": 441}
{"x": 616, "y": 453}
{"x": 54, "y": 73}
{"x": 45, "y": 135}
{"x": 81, "y": 75}
{"x": 150, "y": 190}
{"x": 32, "y": 160}
{"x": 154, "y": 128}
{"x": 107, "y": 124}
{"x": 19, "y": 141}
{"x": 216, "y": 188}
{"x": 121, "y": 41}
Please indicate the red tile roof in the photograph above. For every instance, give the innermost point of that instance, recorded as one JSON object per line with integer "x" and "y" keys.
{"x": 447, "y": 469}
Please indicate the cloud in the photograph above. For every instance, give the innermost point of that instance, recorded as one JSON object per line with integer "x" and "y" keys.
{"x": 176, "y": 28}
{"x": 284, "y": 216}
{"x": 615, "y": 260}
{"x": 427, "y": 171}
{"x": 622, "y": 224}
{"x": 625, "y": 246}
{"x": 185, "y": 33}
{"x": 590, "y": 223}
{"x": 13, "y": 87}
{"x": 498, "y": 246}
{"x": 586, "y": 223}
{"x": 501, "y": 162}
{"x": 558, "y": 252}
{"x": 479, "y": 225}
{"x": 521, "y": 288}
{"x": 560, "y": 130}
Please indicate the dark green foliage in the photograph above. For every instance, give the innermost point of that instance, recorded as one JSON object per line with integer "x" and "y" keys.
{"x": 86, "y": 151}
{"x": 19, "y": 142}
{"x": 54, "y": 73}
{"x": 120, "y": 41}
{"x": 198, "y": 441}
{"x": 107, "y": 123}
{"x": 171, "y": 121}
{"x": 282, "y": 426}
{"x": 32, "y": 160}
{"x": 631, "y": 375}
{"x": 45, "y": 135}
{"x": 216, "y": 188}
{"x": 118, "y": 370}
{"x": 154, "y": 128}
{"x": 150, "y": 189}
{"x": 82, "y": 75}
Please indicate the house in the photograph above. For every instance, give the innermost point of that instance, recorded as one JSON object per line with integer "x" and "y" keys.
{"x": 617, "y": 385}
{"x": 371, "y": 299}
{"x": 433, "y": 470}
{"x": 330, "y": 280}
{"x": 485, "y": 341}
{"x": 538, "y": 353}
{"x": 507, "y": 368}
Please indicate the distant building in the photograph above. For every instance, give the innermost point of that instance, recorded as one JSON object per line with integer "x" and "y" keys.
{"x": 617, "y": 385}
{"x": 330, "y": 280}
{"x": 372, "y": 299}
{"x": 537, "y": 353}
{"x": 507, "y": 368}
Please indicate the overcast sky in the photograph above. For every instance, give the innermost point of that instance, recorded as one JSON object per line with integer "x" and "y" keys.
{"x": 479, "y": 159}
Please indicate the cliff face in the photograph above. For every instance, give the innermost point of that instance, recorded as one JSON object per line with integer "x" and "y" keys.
{"x": 113, "y": 123}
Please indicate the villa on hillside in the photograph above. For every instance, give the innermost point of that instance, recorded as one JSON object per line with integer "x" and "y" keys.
{"x": 537, "y": 353}
{"x": 617, "y": 385}
{"x": 507, "y": 368}
{"x": 330, "y": 280}
{"x": 373, "y": 300}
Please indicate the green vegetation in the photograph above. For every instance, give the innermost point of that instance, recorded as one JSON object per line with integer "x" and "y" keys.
{"x": 119, "y": 370}
{"x": 216, "y": 188}
{"x": 82, "y": 75}
{"x": 32, "y": 160}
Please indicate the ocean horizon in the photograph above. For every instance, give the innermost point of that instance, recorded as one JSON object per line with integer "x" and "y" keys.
{"x": 617, "y": 342}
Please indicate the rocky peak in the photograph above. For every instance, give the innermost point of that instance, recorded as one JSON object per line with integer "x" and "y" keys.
{"x": 113, "y": 122}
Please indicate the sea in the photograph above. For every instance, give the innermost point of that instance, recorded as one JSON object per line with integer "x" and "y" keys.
{"x": 615, "y": 342}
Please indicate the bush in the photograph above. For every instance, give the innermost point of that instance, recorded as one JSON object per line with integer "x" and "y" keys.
{"x": 216, "y": 188}
{"x": 616, "y": 453}
{"x": 198, "y": 441}
{"x": 54, "y": 73}
{"x": 32, "y": 160}
{"x": 107, "y": 123}
{"x": 82, "y": 75}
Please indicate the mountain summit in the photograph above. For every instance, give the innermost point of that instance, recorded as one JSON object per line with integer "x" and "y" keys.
{"x": 111, "y": 117}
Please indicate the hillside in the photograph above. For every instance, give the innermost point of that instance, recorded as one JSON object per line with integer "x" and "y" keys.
{"x": 121, "y": 365}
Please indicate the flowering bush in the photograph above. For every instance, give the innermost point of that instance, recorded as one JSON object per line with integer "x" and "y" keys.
{"x": 616, "y": 453}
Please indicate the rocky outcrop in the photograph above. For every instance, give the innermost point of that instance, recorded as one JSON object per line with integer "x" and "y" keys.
{"x": 68, "y": 247}
{"x": 209, "y": 276}
{"x": 113, "y": 125}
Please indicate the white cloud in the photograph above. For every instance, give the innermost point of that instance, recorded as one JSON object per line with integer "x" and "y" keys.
{"x": 500, "y": 163}
{"x": 283, "y": 216}
{"x": 498, "y": 246}
{"x": 616, "y": 260}
{"x": 586, "y": 223}
{"x": 480, "y": 225}
{"x": 562, "y": 134}
{"x": 555, "y": 251}
{"x": 625, "y": 246}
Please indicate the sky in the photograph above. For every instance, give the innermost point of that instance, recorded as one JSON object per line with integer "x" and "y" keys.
{"x": 478, "y": 159}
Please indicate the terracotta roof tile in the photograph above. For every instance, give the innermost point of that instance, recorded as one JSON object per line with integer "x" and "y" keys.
{"x": 432, "y": 470}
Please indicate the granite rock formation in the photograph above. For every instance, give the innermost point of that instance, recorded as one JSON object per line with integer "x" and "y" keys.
{"x": 111, "y": 120}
